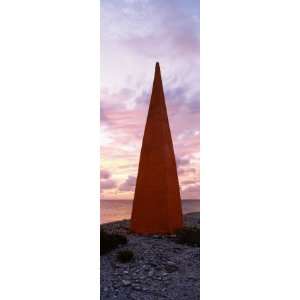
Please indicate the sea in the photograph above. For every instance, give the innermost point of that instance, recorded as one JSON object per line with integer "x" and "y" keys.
{"x": 114, "y": 210}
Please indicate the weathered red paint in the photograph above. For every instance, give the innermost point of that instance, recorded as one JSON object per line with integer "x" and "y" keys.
{"x": 157, "y": 203}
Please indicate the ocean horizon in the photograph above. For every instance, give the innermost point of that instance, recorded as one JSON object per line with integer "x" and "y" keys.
{"x": 114, "y": 210}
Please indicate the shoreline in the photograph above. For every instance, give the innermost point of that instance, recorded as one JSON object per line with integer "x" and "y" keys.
{"x": 116, "y": 210}
{"x": 189, "y": 218}
{"x": 161, "y": 268}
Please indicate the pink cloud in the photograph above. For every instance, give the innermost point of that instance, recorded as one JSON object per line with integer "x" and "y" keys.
{"x": 182, "y": 161}
{"x": 105, "y": 174}
{"x": 107, "y": 184}
{"x": 131, "y": 43}
{"x": 128, "y": 185}
{"x": 191, "y": 192}
{"x": 182, "y": 171}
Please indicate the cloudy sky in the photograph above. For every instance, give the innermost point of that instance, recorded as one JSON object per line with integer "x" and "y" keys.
{"x": 134, "y": 35}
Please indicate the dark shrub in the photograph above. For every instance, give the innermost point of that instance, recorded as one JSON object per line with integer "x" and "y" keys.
{"x": 125, "y": 256}
{"x": 109, "y": 241}
{"x": 189, "y": 236}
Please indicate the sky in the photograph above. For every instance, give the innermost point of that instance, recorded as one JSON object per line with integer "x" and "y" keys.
{"x": 135, "y": 34}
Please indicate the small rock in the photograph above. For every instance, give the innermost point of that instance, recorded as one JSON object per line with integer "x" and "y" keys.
{"x": 126, "y": 282}
{"x": 125, "y": 272}
{"x": 171, "y": 267}
{"x": 176, "y": 250}
{"x": 136, "y": 287}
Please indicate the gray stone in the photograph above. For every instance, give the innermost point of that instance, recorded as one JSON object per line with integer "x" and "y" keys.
{"x": 136, "y": 287}
{"x": 177, "y": 266}
{"x": 171, "y": 267}
{"x": 126, "y": 282}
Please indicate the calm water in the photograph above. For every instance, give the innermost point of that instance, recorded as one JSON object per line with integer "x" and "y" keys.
{"x": 113, "y": 210}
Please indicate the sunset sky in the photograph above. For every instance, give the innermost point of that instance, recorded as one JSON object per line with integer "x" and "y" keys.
{"x": 134, "y": 35}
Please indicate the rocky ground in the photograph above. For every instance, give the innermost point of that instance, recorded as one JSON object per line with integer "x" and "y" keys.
{"x": 161, "y": 268}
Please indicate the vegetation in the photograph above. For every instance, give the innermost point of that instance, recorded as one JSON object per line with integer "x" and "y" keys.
{"x": 125, "y": 256}
{"x": 189, "y": 236}
{"x": 109, "y": 241}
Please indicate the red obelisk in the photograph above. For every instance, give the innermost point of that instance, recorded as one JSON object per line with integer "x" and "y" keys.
{"x": 157, "y": 204}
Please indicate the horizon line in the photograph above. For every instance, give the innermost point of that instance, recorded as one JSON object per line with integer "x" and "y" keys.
{"x": 195, "y": 199}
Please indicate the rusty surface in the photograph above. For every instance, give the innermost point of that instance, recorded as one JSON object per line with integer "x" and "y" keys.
{"x": 157, "y": 203}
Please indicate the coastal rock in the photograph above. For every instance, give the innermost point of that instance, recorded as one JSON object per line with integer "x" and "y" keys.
{"x": 136, "y": 287}
{"x": 126, "y": 282}
{"x": 171, "y": 267}
{"x": 178, "y": 270}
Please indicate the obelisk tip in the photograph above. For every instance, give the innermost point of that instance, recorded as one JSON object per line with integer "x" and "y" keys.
{"x": 157, "y": 71}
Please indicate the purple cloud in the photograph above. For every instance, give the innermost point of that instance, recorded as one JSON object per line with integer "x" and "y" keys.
{"x": 187, "y": 182}
{"x": 134, "y": 35}
{"x": 105, "y": 174}
{"x": 182, "y": 161}
{"x": 107, "y": 184}
{"x": 182, "y": 171}
{"x": 128, "y": 185}
{"x": 191, "y": 192}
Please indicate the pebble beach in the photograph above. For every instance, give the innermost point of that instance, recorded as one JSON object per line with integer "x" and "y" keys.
{"x": 160, "y": 269}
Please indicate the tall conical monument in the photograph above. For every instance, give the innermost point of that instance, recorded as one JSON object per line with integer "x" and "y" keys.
{"x": 157, "y": 204}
